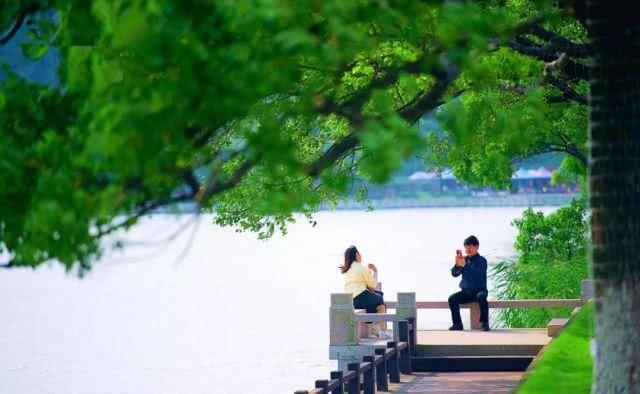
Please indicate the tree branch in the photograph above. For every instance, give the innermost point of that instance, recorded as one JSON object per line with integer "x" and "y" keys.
{"x": 352, "y": 108}
{"x": 315, "y": 68}
{"x": 215, "y": 187}
{"x": 559, "y": 43}
{"x": 14, "y": 29}
{"x": 143, "y": 210}
{"x": 571, "y": 68}
{"x": 335, "y": 152}
{"x": 346, "y": 145}
{"x": 569, "y": 149}
{"x": 27, "y": 10}
{"x": 413, "y": 111}
{"x": 191, "y": 180}
{"x": 567, "y": 91}
{"x": 556, "y": 99}
{"x": 575, "y": 152}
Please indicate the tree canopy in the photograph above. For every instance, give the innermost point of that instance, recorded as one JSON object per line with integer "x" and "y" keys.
{"x": 257, "y": 110}
{"x": 525, "y": 97}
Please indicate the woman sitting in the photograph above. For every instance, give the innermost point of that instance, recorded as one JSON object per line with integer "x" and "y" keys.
{"x": 361, "y": 282}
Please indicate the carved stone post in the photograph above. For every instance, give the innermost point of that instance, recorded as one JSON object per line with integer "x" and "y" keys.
{"x": 341, "y": 326}
{"x": 406, "y": 309}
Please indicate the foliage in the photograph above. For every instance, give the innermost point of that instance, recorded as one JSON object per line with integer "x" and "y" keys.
{"x": 253, "y": 111}
{"x": 551, "y": 263}
{"x": 566, "y": 366}
{"x": 512, "y": 105}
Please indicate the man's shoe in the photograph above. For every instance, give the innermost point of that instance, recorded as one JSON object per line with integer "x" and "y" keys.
{"x": 485, "y": 327}
{"x": 456, "y": 328}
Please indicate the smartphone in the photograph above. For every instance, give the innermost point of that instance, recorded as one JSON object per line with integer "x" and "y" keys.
{"x": 459, "y": 253}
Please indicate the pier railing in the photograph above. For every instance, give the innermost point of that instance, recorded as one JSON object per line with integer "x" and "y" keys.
{"x": 362, "y": 360}
{"x": 374, "y": 372}
{"x": 497, "y": 304}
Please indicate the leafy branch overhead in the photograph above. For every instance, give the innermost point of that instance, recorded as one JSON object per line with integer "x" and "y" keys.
{"x": 526, "y": 96}
{"x": 254, "y": 113}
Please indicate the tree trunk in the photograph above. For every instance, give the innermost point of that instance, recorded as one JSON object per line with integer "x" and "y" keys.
{"x": 614, "y": 30}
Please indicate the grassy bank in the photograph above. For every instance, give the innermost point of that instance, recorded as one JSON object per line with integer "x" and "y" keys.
{"x": 566, "y": 365}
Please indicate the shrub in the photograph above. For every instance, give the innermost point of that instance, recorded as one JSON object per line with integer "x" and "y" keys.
{"x": 551, "y": 261}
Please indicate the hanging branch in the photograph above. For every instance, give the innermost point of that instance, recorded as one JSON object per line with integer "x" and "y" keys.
{"x": 14, "y": 29}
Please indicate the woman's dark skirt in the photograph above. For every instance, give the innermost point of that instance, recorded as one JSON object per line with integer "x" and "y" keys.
{"x": 368, "y": 300}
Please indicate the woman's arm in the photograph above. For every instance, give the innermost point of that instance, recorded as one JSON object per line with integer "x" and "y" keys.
{"x": 369, "y": 279}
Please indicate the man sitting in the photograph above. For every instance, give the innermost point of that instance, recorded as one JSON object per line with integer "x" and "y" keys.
{"x": 473, "y": 269}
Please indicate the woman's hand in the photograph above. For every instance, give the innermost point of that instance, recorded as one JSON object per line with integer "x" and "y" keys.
{"x": 372, "y": 267}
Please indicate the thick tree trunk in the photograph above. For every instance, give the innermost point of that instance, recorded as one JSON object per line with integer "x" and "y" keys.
{"x": 614, "y": 29}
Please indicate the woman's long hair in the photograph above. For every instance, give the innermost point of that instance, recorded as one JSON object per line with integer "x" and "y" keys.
{"x": 349, "y": 258}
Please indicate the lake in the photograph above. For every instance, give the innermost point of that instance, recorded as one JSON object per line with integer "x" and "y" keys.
{"x": 215, "y": 311}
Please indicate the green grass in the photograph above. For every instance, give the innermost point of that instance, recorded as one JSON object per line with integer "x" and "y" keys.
{"x": 566, "y": 365}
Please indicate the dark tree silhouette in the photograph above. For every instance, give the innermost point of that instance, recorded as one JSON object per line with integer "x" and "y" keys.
{"x": 614, "y": 31}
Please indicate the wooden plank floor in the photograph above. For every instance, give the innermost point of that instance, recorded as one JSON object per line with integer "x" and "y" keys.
{"x": 502, "y": 336}
{"x": 458, "y": 382}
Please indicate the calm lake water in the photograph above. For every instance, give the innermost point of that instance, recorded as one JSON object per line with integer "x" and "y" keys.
{"x": 214, "y": 311}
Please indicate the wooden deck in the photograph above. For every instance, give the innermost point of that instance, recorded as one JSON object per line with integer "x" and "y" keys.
{"x": 500, "y": 350}
{"x": 500, "y": 342}
{"x": 503, "y": 337}
{"x": 442, "y": 361}
{"x": 458, "y": 382}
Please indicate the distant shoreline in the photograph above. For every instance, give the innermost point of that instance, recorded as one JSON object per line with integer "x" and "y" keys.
{"x": 490, "y": 201}
{"x": 509, "y": 200}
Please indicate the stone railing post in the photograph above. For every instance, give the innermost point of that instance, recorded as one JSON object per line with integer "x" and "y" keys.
{"x": 341, "y": 326}
{"x": 342, "y": 329}
{"x": 586, "y": 292}
{"x": 406, "y": 310}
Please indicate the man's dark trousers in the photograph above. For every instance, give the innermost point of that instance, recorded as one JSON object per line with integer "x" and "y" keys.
{"x": 465, "y": 296}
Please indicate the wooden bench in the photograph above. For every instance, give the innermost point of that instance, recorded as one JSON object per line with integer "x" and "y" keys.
{"x": 362, "y": 318}
{"x": 348, "y": 325}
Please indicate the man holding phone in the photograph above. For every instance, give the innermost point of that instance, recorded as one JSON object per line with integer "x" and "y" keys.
{"x": 473, "y": 285}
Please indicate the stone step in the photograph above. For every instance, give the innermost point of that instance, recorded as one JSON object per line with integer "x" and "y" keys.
{"x": 555, "y": 325}
{"x": 434, "y": 350}
{"x": 470, "y": 363}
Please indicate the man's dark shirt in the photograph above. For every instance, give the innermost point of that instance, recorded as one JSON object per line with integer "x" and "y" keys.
{"x": 474, "y": 273}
